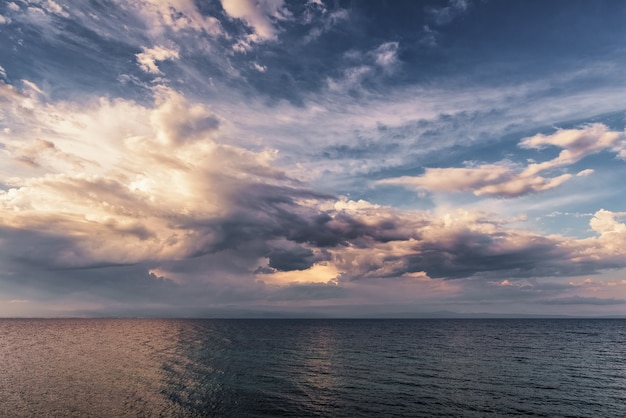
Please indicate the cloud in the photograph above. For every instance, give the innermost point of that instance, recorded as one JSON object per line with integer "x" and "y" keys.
{"x": 446, "y": 14}
{"x": 441, "y": 16}
{"x": 32, "y": 86}
{"x": 164, "y": 186}
{"x": 466, "y": 244}
{"x": 506, "y": 179}
{"x": 313, "y": 291}
{"x": 166, "y": 190}
{"x": 258, "y": 15}
{"x": 133, "y": 193}
{"x": 372, "y": 65}
{"x": 316, "y": 3}
{"x": 584, "y": 173}
{"x": 498, "y": 180}
{"x": 450, "y": 245}
{"x": 322, "y": 22}
{"x": 386, "y": 55}
{"x": 45, "y": 14}
{"x": 39, "y": 8}
{"x": 429, "y": 37}
{"x": 576, "y": 144}
{"x": 419, "y": 119}
{"x": 604, "y": 222}
{"x": 287, "y": 256}
{"x": 176, "y": 121}
{"x": 40, "y": 151}
{"x": 260, "y": 68}
{"x": 580, "y": 300}
{"x": 176, "y": 15}
{"x": 53, "y": 7}
{"x": 319, "y": 273}
{"x": 148, "y": 58}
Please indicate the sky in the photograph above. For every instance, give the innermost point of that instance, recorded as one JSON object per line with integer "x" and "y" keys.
{"x": 229, "y": 158}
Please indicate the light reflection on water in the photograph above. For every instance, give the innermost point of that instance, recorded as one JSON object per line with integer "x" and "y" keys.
{"x": 178, "y": 368}
{"x": 84, "y": 367}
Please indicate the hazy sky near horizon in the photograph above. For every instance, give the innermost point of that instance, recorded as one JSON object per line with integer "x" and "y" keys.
{"x": 341, "y": 158}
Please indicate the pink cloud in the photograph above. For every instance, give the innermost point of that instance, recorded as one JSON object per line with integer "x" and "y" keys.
{"x": 505, "y": 179}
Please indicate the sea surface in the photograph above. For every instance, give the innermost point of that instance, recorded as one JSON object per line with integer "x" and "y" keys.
{"x": 312, "y": 368}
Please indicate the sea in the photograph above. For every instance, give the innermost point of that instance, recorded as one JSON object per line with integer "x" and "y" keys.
{"x": 312, "y": 367}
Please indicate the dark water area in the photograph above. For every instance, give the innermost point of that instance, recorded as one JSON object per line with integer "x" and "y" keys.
{"x": 312, "y": 368}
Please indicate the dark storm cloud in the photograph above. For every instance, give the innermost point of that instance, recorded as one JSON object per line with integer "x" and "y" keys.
{"x": 264, "y": 212}
{"x": 296, "y": 259}
{"x": 475, "y": 254}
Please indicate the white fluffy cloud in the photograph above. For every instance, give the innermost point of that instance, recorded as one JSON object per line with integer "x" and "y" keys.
{"x": 148, "y": 58}
{"x": 576, "y": 144}
{"x": 129, "y": 192}
{"x": 258, "y": 15}
{"x": 500, "y": 180}
{"x": 604, "y": 222}
{"x": 176, "y": 15}
{"x": 505, "y": 179}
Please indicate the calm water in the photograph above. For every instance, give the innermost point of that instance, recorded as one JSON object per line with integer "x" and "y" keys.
{"x": 299, "y": 368}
